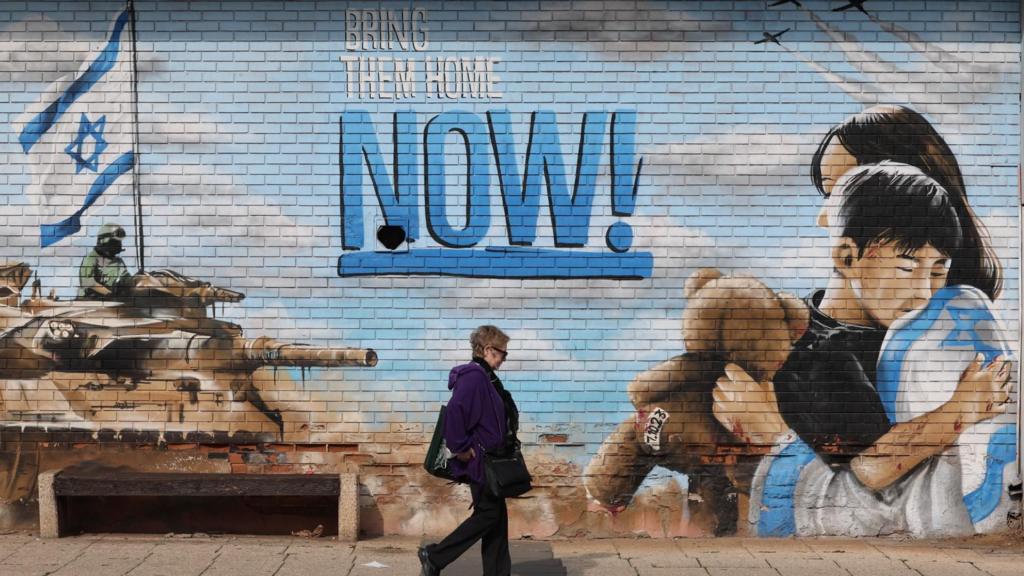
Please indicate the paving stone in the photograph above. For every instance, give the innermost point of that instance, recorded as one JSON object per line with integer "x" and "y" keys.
{"x": 8, "y": 547}
{"x": 591, "y": 558}
{"x": 673, "y": 571}
{"x": 663, "y": 560}
{"x": 647, "y": 548}
{"x": 570, "y": 548}
{"x": 19, "y": 570}
{"x": 103, "y": 558}
{"x": 96, "y": 566}
{"x": 529, "y": 558}
{"x": 396, "y": 563}
{"x": 244, "y": 556}
{"x": 712, "y": 544}
{"x": 329, "y": 558}
{"x": 946, "y": 567}
{"x": 120, "y": 549}
{"x": 250, "y": 559}
{"x": 597, "y": 565}
{"x": 774, "y": 547}
{"x": 858, "y": 566}
{"x": 51, "y": 554}
{"x": 836, "y": 548}
{"x": 740, "y": 571}
{"x": 234, "y": 546}
{"x": 399, "y": 554}
{"x": 390, "y": 544}
{"x": 178, "y": 559}
{"x": 1012, "y": 566}
{"x": 968, "y": 554}
{"x": 732, "y": 558}
{"x": 795, "y": 566}
{"x": 648, "y": 556}
{"x": 916, "y": 551}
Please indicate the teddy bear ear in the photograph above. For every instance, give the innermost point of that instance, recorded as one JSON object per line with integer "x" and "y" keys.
{"x": 798, "y": 315}
{"x": 699, "y": 279}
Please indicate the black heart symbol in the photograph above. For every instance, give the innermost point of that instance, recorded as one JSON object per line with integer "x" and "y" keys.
{"x": 391, "y": 236}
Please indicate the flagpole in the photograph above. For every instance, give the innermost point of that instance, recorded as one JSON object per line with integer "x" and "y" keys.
{"x": 140, "y": 236}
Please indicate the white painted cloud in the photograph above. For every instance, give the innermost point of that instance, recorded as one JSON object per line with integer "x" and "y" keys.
{"x": 640, "y": 32}
{"x": 765, "y": 161}
{"x": 57, "y": 53}
{"x": 978, "y": 70}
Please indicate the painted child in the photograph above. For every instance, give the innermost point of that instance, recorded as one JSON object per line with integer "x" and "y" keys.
{"x": 849, "y": 469}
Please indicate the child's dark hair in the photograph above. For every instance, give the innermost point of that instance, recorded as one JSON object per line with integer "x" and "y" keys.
{"x": 897, "y": 133}
{"x": 892, "y": 202}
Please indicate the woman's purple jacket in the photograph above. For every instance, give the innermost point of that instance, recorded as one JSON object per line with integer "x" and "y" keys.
{"x": 475, "y": 419}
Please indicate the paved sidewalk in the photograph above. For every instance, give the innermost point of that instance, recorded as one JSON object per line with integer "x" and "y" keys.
{"x": 195, "y": 555}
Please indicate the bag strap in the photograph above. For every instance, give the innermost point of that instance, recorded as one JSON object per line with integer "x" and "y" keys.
{"x": 511, "y": 410}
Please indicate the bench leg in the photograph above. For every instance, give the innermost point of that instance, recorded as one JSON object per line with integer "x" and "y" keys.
{"x": 348, "y": 509}
{"x": 49, "y": 516}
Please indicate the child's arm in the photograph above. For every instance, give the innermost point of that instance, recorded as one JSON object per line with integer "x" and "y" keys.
{"x": 981, "y": 394}
{"x": 750, "y": 409}
{"x": 823, "y": 396}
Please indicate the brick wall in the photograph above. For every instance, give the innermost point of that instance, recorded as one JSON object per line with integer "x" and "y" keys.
{"x": 557, "y": 169}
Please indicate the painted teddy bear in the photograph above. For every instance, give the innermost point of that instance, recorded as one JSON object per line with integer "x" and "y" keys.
{"x": 728, "y": 319}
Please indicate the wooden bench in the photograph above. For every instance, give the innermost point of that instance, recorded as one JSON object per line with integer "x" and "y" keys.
{"x": 56, "y": 486}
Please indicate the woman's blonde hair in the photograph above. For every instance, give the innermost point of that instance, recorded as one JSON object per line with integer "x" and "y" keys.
{"x": 487, "y": 335}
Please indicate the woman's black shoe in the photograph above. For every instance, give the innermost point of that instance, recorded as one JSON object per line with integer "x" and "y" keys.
{"x": 426, "y": 567}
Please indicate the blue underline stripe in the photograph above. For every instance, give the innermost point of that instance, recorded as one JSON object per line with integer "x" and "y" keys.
{"x": 499, "y": 262}
{"x": 43, "y": 121}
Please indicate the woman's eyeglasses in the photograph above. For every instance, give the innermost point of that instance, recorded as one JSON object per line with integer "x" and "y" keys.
{"x": 504, "y": 353}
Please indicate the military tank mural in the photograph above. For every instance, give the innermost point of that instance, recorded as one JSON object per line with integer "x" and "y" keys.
{"x": 150, "y": 354}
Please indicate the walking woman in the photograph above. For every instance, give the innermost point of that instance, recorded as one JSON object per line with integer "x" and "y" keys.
{"x": 481, "y": 416}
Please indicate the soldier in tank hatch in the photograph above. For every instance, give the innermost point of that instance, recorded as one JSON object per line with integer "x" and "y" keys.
{"x": 102, "y": 271}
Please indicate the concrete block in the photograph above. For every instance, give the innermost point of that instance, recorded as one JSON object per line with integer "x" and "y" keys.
{"x": 49, "y": 516}
{"x": 348, "y": 508}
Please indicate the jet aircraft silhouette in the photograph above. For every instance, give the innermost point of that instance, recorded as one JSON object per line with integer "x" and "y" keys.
{"x": 768, "y": 37}
{"x": 858, "y": 4}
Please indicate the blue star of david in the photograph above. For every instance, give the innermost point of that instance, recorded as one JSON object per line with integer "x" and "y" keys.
{"x": 79, "y": 148}
{"x": 964, "y": 333}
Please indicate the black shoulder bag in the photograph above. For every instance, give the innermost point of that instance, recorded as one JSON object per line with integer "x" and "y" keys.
{"x": 505, "y": 472}
{"x": 506, "y": 475}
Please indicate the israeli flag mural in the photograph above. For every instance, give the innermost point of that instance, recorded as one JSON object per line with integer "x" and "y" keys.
{"x": 922, "y": 358}
{"x": 78, "y": 137}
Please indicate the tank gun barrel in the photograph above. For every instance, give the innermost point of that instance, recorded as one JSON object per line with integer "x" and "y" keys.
{"x": 270, "y": 352}
{"x": 211, "y": 294}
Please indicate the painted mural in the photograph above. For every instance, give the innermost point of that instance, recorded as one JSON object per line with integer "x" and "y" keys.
{"x": 758, "y": 263}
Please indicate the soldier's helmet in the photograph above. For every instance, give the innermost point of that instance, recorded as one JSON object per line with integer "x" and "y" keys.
{"x": 109, "y": 240}
{"x": 110, "y": 231}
